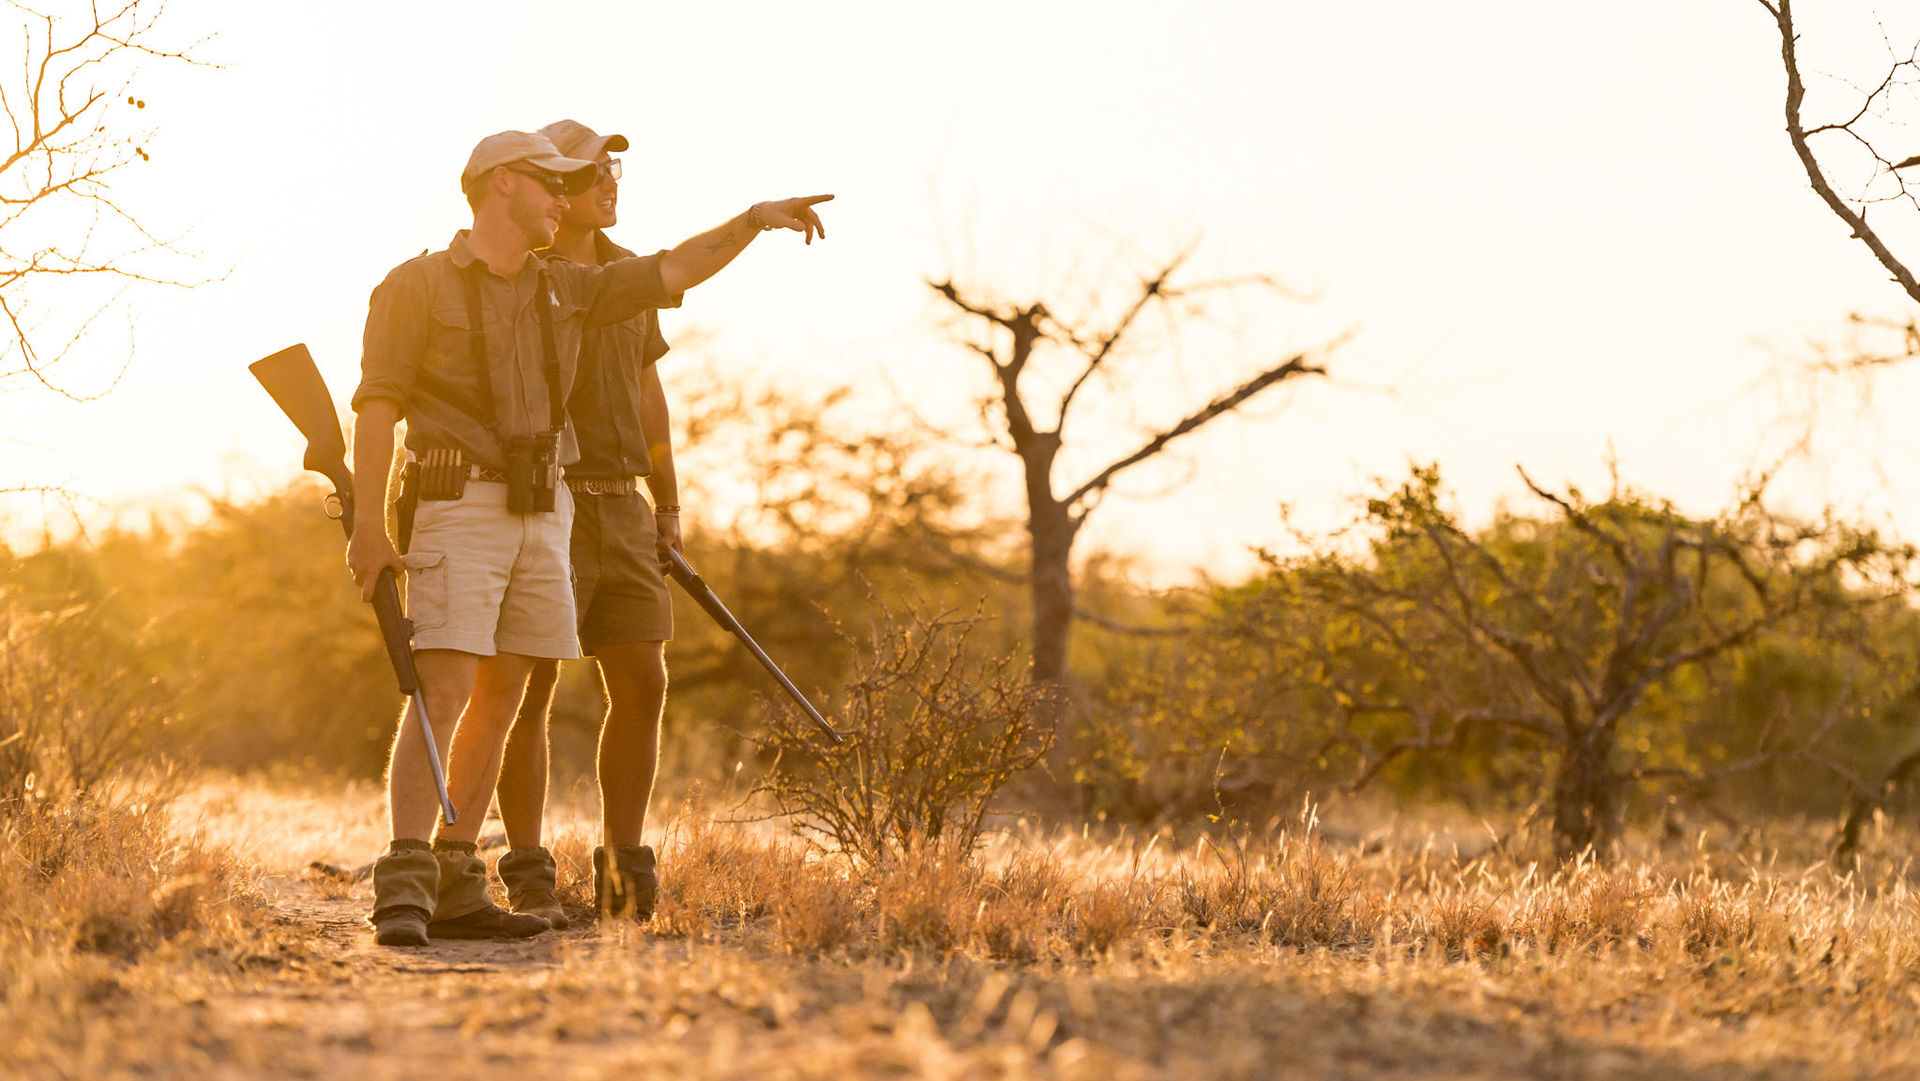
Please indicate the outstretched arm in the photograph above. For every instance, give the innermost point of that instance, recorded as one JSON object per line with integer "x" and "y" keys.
{"x": 701, "y": 257}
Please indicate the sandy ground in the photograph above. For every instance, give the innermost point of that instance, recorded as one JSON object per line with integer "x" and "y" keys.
{"x": 581, "y": 1004}
{"x": 320, "y": 1000}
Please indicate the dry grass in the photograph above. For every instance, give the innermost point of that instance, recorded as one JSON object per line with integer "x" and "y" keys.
{"x": 1276, "y": 952}
{"x": 103, "y": 901}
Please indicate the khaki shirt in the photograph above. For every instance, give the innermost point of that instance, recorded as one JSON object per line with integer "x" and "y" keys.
{"x": 605, "y": 405}
{"x": 417, "y": 349}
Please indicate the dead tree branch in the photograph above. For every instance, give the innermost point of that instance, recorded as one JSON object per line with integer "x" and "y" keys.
{"x": 1801, "y": 136}
{"x": 74, "y": 116}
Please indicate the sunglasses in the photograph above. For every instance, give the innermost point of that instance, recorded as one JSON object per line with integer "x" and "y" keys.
{"x": 609, "y": 169}
{"x": 555, "y": 184}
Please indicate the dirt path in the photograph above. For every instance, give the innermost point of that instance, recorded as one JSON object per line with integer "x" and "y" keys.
{"x": 319, "y": 1000}
{"x": 582, "y": 1004}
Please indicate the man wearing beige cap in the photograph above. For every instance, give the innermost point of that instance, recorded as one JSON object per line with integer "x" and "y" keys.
{"x": 475, "y": 347}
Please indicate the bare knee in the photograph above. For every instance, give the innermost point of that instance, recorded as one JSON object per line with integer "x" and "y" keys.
{"x": 446, "y": 685}
{"x": 538, "y": 700}
{"x": 498, "y": 689}
{"x": 636, "y": 676}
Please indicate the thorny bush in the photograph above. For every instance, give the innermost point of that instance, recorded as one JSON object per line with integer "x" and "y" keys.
{"x": 933, "y": 733}
{"x": 76, "y": 714}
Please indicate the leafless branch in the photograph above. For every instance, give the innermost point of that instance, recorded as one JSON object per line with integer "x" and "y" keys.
{"x": 1800, "y": 136}
{"x": 1293, "y": 366}
{"x": 71, "y": 109}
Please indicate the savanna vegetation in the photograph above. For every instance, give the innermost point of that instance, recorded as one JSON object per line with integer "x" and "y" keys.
{"x": 1570, "y": 781}
{"x": 1595, "y": 788}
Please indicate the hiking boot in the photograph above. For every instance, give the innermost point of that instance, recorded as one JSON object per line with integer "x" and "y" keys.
{"x": 491, "y": 921}
{"x": 626, "y": 890}
{"x": 405, "y": 881}
{"x": 462, "y": 908}
{"x": 400, "y": 925}
{"x": 530, "y": 878}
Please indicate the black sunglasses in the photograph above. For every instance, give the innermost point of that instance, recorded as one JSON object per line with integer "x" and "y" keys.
{"x": 555, "y": 184}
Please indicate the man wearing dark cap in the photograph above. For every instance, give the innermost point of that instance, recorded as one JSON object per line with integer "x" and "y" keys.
{"x": 476, "y": 347}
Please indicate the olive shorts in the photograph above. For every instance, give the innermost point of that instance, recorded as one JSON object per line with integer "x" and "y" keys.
{"x": 485, "y": 581}
{"x": 618, "y": 585}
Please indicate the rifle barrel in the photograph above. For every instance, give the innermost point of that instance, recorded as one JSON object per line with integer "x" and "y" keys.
{"x": 682, "y": 572}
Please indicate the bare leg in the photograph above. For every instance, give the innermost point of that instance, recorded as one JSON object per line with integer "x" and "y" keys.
{"x": 524, "y": 771}
{"x": 473, "y": 766}
{"x": 413, "y": 803}
{"x": 636, "y": 677}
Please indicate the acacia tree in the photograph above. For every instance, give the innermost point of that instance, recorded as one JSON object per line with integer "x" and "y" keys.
{"x": 68, "y": 244}
{"x": 1023, "y": 337}
{"x": 1548, "y": 637}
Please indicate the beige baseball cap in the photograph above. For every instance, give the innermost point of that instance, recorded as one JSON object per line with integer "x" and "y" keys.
{"x": 576, "y": 140}
{"x": 511, "y": 147}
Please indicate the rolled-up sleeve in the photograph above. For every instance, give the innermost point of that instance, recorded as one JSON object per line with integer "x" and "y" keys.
{"x": 622, "y": 289}
{"x": 655, "y": 346}
{"x": 396, "y": 338}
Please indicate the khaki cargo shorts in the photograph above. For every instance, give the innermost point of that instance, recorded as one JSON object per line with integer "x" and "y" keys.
{"x": 619, "y": 587}
{"x": 481, "y": 580}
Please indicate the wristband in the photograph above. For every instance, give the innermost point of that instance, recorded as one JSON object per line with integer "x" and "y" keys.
{"x": 671, "y": 508}
{"x": 753, "y": 216}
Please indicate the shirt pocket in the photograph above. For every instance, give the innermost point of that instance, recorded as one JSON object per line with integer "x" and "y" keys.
{"x": 426, "y": 589}
{"x": 451, "y": 336}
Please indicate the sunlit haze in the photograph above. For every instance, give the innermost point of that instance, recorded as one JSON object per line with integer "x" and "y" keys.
{"x": 1563, "y": 234}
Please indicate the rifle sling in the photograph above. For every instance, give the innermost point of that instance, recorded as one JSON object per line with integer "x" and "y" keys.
{"x": 477, "y": 346}
{"x": 438, "y": 386}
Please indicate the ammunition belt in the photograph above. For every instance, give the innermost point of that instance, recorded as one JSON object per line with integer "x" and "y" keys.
{"x": 602, "y": 485}
{"x": 496, "y": 476}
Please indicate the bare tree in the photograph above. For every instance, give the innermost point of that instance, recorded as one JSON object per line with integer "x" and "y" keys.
{"x": 69, "y": 246}
{"x": 1867, "y": 129}
{"x": 1021, "y": 336}
{"x": 1860, "y": 129}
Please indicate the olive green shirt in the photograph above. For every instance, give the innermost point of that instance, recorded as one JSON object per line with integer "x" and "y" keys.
{"x": 418, "y": 349}
{"x": 605, "y": 406}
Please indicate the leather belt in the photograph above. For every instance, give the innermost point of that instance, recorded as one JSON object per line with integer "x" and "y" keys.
{"x": 496, "y": 476}
{"x": 602, "y": 485}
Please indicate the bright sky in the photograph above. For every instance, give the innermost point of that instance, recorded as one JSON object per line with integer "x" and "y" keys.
{"x": 1563, "y": 231}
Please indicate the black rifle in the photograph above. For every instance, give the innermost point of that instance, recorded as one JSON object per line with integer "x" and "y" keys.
{"x": 697, "y": 588}
{"x": 296, "y": 386}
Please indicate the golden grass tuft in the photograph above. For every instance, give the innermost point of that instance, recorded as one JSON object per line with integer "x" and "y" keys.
{"x": 110, "y": 878}
{"x": 925, "y": 899}
{"x": 716, "y": 876}
{"x": 818, "y": 912}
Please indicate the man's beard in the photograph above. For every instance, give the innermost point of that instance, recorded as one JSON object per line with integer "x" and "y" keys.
{"x": 536, "y": 228}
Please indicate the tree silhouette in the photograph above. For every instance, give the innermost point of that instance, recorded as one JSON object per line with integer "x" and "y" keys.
{"x": 68, "y": 245}
{"x": 1022, "y": 336}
